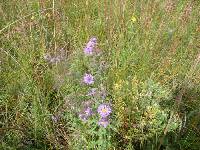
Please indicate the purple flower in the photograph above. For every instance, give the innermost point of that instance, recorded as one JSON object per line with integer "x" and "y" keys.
{"x": 92, "y": 92}
{"x": 88, "y": 50}
{"x": 88, "y": 79}
{"x": 104, "y": 110}
{"x": 87, "y": 112}
{"x": 103, "y": 122}
{"x": 94, "y": 39}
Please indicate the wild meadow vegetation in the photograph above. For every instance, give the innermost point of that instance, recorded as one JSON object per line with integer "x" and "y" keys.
{"x": 100, "y": 74}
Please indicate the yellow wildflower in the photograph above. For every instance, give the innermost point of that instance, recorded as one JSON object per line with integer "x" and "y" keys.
{"x": 32, "y": 18}
{"x": 133, "y": 18}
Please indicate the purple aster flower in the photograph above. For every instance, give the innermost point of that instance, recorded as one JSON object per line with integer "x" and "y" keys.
{"x": 94, "y": 39}
{"x": 88, "y": 50}
{"x": 87, "y": 112}
{"x": 92, "y": 42}
{"x": 88, "y": 79}
{"x": 92, "y": 92}
{"x": 103, "y": 122}
{"x": 104, "y": 110}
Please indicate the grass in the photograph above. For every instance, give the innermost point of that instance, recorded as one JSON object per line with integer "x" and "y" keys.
{"x": 147, "y": 62}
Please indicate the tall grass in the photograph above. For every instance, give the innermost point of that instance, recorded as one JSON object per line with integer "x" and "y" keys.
{"x": 150, "y": 53}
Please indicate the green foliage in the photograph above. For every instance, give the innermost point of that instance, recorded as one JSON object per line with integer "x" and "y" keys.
{"x": 150, "y": 50}
{"x": 144, "y": 111}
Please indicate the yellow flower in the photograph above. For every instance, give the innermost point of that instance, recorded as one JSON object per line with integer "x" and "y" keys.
{"x": 32, "y": 18}
{"x": 133, "y": 18}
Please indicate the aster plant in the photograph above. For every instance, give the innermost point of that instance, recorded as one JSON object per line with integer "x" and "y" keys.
{"x": 90, "y": 46}
{"x": 88, "y": 79}
{"x": 94, "y": 92}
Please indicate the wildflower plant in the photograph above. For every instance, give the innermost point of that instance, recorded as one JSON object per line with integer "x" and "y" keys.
{"x": 90, "y": 46}
{"x": 143, "y": 112}
{"x": 139, "y": 113}
{"x": 94, "y": 107}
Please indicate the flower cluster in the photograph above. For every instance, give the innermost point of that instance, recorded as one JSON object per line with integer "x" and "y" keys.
{"x": 104, "y": 110}
{"x": 87, "y": 112}
{"x": 89, "y": 49}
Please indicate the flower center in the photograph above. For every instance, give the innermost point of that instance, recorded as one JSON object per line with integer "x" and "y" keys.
{"x": 103, "y": 122}
{"x": 104, "y": 110}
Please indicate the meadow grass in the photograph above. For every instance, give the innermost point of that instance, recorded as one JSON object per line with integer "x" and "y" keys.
{"x": 146, "y": 61}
